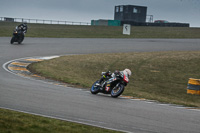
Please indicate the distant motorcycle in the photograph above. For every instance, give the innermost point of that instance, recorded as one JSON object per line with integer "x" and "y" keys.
{"x": 114, "y": 85}
{"x": 18, "y": 35}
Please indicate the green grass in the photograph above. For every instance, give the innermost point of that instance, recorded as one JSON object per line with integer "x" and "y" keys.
{"x": 74, "y": 31}
{"x": 16, "y": 122}
{"x": 161, "y": 76}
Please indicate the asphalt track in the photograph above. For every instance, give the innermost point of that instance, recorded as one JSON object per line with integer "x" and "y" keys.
{"x": 32, "y": 96}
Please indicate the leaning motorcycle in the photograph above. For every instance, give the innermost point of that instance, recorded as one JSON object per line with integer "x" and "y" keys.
{"x": 113, "y": 86}
{"x": 18, "y": 36}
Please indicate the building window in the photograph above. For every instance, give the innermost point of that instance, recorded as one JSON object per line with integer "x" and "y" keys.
{"x": 135, "y": 10}
{"x": 121, "y": 8}
{"x": 117, "y": 9}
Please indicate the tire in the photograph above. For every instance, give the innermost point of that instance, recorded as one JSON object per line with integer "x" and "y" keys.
{"x": 95, "y": 90}
{"x": 12, "y": 40}
{"x": 117, "y": 90}
{"x": 20, "y": 39}
{"x": 19, "y": 42}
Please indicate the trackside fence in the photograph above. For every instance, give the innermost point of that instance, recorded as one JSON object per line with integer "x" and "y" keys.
{"x": 41, "y": 21}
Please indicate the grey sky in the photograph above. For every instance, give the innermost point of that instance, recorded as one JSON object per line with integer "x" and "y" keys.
{"x": 184, "y": 11}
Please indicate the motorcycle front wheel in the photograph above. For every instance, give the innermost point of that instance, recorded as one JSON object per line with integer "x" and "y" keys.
{"x": 117, "y": 90}
{"x": 95, "y": 89}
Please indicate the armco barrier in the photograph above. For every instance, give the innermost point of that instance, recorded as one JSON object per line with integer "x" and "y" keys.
{"x": 193, "y": 86}
{"x": 41, "y": 21}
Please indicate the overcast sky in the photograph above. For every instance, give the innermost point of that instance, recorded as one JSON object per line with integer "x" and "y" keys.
{"x": 184, "y": 11}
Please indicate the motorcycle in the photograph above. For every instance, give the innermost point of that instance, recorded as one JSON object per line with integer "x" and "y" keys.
{"x": 18, "y": 36}
{"x": 114, "y": 85}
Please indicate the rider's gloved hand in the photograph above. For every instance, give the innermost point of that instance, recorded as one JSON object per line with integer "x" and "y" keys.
{"x": 108, "y": 73}
{"x": 116, "y": 72}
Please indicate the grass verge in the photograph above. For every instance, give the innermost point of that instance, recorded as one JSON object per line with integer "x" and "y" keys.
{"x": 75, "y": 31}
{"x": 16, "y": 122}
{"x": 161, "y": 76}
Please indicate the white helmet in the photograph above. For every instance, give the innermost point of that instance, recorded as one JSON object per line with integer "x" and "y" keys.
{"x": 128, "y": 71}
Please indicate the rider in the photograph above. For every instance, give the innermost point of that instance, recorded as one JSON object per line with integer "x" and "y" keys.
{"x": 107, "y": 75}
{"x": 24, "y": 28}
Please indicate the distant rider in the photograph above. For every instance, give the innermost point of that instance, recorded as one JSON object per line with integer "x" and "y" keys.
{"x": 24, "y": 28}
{"x": 107, "y": 75}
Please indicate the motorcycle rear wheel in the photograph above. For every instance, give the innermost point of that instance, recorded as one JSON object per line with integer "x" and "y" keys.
{"x": 117, "y": 90}
{"x": 20, "y": 41}
{"x": 94, "y": 89}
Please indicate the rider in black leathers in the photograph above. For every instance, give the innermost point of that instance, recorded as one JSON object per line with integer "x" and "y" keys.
{"x": 24, "y": 29}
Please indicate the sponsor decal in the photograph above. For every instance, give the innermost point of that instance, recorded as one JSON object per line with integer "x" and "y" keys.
{"x": 107, "y": 88}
